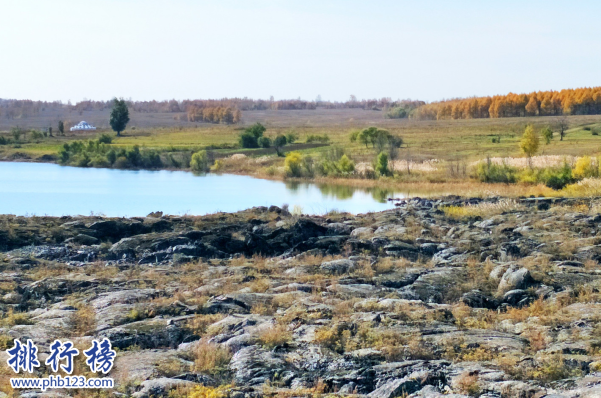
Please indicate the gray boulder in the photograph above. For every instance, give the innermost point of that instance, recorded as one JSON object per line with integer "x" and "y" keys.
{"x": 515, "y": 278}
{"x": 337, "y": 267}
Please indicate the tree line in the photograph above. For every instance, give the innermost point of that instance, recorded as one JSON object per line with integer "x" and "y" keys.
{"x": 219, "y": 114}
{"x": 581, "y": 101}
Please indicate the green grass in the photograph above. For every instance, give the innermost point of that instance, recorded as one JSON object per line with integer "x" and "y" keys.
{"x": 465, "y": 140}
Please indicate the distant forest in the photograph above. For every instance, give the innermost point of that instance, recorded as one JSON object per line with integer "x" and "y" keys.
{"x": 581, "y": 101}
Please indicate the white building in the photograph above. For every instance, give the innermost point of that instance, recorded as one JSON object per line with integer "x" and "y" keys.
{"x": 82, "y": 126}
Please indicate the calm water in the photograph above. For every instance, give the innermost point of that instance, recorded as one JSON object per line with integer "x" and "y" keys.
{"x": 49, "y": 189}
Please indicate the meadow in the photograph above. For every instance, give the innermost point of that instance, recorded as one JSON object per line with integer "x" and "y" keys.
{"x": 451, "y": 146}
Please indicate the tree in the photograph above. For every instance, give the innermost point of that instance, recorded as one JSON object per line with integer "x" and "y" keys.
{"x": 532, "y": 106}
{"x": 16, "y": 133}
{"x": 346, "y": 165}
{"x": 279, "y": 143}
{"x": 562, "y": 126}
{"x": 61, "y": 127}
{"x": 547, "y": 134}
{"x": 381, "y": 140}
{"x": 119, "y": 116}
{"x": 251, "y": 135}
{"x": 382, "y": 164}
{"x": 200, "y": 162}
{"x": 529, "y": 142}
{"x": 365, "y": 136}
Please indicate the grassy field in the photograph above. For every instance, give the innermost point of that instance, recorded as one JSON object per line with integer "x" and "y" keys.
{"x": 458, "y": 142}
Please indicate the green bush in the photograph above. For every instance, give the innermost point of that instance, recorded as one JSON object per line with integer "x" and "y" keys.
{"x": 291, "y": 137}
{"x": 121, "y": 163}
{"x": 317, "y": 138}
{"x": 251, "y": 135}
{"x": 4, "y": 140}
{"x": 381, "y": 166}
{"x": 100, "y": 162}
{"x": 200, "y": 162}
{"x": 553, "y": 177}
{"x": 98, "y": 154}
{"x": 105, "y": 139}
{"x": 248, "y": 140}
{"x": 346, "y": 165}
{"x": 557, "y": 178}
{"x": 397, "y": 113}
{"x": 265, "y": 142}
{"x": 36, "y": 135}
{"x": 491, "y": 172}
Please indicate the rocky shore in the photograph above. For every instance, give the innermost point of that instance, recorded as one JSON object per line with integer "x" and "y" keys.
{"x": 499, "y": 301}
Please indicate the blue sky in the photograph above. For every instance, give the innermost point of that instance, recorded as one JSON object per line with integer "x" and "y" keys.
{"x": 430, "y": 50}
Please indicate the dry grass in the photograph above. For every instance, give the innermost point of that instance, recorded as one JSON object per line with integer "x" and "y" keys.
{"x": 83, "y": 321}
{"x": 12, "y": 318}
{"x": 274, "y": 336}
{"x": 468, "y": 383}
{"x": 200, "y": 324}
{"x": 483, "y": 209}
{"x": 211, "y": 358}
{"x": 537, "y": 162}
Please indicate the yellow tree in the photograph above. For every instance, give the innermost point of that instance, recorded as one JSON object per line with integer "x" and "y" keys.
{"x": 529, "y": 143}
{"x": 532, "y": 105}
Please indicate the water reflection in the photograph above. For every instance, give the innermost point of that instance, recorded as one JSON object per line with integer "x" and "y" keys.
{"x": 341, "y": 192}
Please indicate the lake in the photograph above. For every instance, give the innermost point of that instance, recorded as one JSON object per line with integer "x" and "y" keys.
{"x": 50, "y": 189}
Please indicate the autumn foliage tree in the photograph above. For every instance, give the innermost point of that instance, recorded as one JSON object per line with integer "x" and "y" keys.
{"x": 225, "y": 115}
{"x": 530, "y": 142}
{"x": 581, "y": 101}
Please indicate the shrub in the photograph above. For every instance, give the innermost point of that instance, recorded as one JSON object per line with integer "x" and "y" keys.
{"x": 491, "y": 172}
{"x": 36, "y": 135}
{"x": 557, "y": 178}
{"x": 585, "y": 167}
{"x": 381, "y": 166}
{"x": 105, "y": 139}
{"x": 291, "y": 137}
{"x": 218, "y": 165}
{"x": 200, "y": 162}
{"x": 547, "y": 135}
{"x": 346, "y": 165}
{"x": 99, "y": 161}
{"x": 293, "y": 164}
{"x": 317, "y": 138}
{"x": 121, "y": 163}
{"x": 133, "y": 156}
{"x": 397, "y": 113}
{"x": 111, "y": 156}
{"x": 3, "y": 140}
{"x": 265, "y": 142}
{"x": 248, "y": 140}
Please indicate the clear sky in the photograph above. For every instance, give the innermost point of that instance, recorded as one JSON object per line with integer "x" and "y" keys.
{"x": 426, "y": 49}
